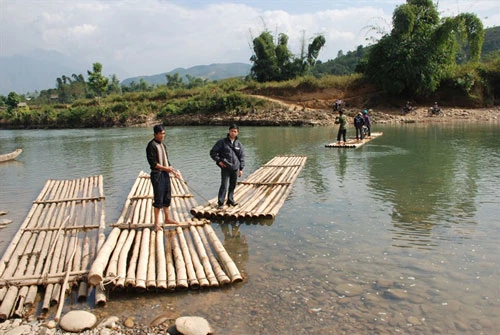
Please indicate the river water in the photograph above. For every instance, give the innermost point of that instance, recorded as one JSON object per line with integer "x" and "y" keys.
{"x": 398, "y": 236}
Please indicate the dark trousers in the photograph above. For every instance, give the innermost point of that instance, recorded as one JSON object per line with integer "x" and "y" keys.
{"x": 342, "y": 132}
{"x": 229, "y": 178}
{"x": 161, "y": 189}
{"x": 359, "y": 133}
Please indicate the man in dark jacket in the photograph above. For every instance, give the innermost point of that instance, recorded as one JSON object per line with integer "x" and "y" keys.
{"x": 229, "y": 155}
{"x": 359, "y": 122}
{"x": 156, "y": 154}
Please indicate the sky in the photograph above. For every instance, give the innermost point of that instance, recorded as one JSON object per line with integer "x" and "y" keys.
{"x": 145, "y": 37}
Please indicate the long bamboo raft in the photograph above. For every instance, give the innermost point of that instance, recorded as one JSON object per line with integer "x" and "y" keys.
{"x": 188, "y": 255}
{"x": 261, "y": 194}
{"x": 53, "y": 247}
{"x": 353, "y": 143}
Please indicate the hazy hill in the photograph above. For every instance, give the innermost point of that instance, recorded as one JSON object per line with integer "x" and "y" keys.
{"x": 210, "y": 72}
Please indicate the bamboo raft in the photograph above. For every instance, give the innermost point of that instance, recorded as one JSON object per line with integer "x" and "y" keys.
{"x": 261, "y": 195}
{"x": 188, "y": 255}
{"x": 53, "y": 247}
{"x": 352, "y": 142}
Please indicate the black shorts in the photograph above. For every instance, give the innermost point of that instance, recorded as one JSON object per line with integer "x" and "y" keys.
{"x": 161, "y": 189}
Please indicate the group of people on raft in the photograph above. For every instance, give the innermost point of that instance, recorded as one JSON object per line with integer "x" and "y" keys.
{"x": 361, "y": 124}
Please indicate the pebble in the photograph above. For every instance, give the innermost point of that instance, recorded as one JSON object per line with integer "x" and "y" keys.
{"x": 24, "y": 329}
{"x": 129, "y": 322}
{"x": 77, "y": 321}
{"x": 193, "y": 325}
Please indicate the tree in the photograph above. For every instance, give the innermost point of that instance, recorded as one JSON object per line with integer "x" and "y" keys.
{"x": 97, "y": 83}
{"x": 174, "y": 81}
{"x": 114, "y": 85}
{"x": 275, "y": 62}
{"x": 12, "y": 100}
{"x": 415, "y": 56}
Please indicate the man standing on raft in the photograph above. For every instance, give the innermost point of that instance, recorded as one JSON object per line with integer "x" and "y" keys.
{"x": 229, "y": 156}
{"x": 157, "y": 156}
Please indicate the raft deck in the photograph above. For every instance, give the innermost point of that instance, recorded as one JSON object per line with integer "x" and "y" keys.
{"x": 53, "y": 247}
{"x": 188, "y": 255}
{"x": 353, "y": 142}
{"x": 261, "y": 195}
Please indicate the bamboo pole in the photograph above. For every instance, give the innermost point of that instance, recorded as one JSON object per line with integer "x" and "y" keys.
{"x": 180, "y": 266}
{"x": 151, "y": 268}
{"x": 141, "y": 275}
{"x": 99, "y": 264}
{"x": 21, "y": 297}
{"x": 130, "y": 280}
{"x": 191, "y": 274}
{"x": 69, "y": 264}
{"x": 112, "y": 267}
{"x": 122, "y": 260}
{"x": 13, "y": 244}
{"x": 210, "y": 275}
{"x": 223, "y": 255}
{"x": 198, "y": 266}
{"x": 171, "y": 276}
{"x": 222, "y": 278}
{"x": 161, "y": 262}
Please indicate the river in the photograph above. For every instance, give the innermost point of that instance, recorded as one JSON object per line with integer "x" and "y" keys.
{"x": 399, "y": 236}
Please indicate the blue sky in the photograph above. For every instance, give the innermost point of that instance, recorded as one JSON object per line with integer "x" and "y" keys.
{"x": 143, "y": 37}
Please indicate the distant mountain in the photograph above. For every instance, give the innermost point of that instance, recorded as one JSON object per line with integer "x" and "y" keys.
{"x": 210, "y": 72}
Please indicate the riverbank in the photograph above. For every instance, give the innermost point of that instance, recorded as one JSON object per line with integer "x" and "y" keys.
{"x": 295, "y": 115}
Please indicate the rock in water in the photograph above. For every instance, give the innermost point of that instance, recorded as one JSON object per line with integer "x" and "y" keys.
{"x": 193, "y": 325}
{"x": 78, "y": 321}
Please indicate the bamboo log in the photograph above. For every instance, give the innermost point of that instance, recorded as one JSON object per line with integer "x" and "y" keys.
{"x": 112, "y": 268}
{"x": 14, "y": 243}
{"x": 21, "y": 297}
{"x": 205, "y": 260}
{"x": 191, "y": 274}
{"x": 100, "y": 296}
{"x": 151, "y": 274}
{"x": 69, "y": 264}
{"x": 142, "y": 265}
{"x": 171, "y": 276}
{"x": 122, "y": 260}
{"x": 97, "y": 269}
{"x": 180, "y": 266}
{"x": 8, "y": 303}
{"x": 161, "y": 265}
{"x": 197, "y": 265}
{"x": 130, "y": 280}
{"x": 223, "y": 255}
{"x": 218, "y": 271}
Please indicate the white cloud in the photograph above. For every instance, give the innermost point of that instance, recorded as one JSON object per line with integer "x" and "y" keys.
{"x": 153, "y": 36}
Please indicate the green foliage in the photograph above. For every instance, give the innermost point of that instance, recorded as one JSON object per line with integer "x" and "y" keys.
{"x": 275, "y": 62}
{"x": 416, "y": 55}
{"x": 12, "y": 100}
{"x": 342, "y": 65}
{"x": 97, "y": 83}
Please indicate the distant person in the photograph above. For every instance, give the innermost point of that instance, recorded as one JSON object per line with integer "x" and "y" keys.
{"x": 342, "y": 122}
{"x": 435, "y": 110}
{"x": 229, "y": 156}
{"x": 337, "y": 105}
{"x": 156, "y": 154}
{"x": 366, "y": 118}
{"x": 407, "y": 108}
{"x": 359, "y": 122}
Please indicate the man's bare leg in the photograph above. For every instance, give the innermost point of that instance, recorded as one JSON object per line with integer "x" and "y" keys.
{"x": 168, "y": 220}
{"x": 157, "y": 219}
